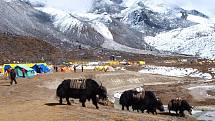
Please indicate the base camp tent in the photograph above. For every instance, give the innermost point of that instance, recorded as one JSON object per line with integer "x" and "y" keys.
{"x": 41, "y": 68}
{"x": 141, "y": 62}
{"x": 28, "y": 73}
{"x": 7, "y": 66}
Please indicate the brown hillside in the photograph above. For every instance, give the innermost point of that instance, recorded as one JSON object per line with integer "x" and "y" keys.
{"x": 26, "y": 49}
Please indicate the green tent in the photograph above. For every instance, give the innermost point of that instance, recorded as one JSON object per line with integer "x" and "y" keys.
{"x": 28, "y": 73}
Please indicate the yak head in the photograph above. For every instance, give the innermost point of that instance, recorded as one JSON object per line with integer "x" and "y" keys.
{"x": 102, "y": 92}
{"x": 185, "y": 105}
{"x": 160, "y": 106}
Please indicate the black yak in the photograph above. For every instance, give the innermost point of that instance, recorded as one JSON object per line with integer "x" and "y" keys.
{"x": 179, "y": 105}
{"x": 87, "y": 89}
{"x": 145, "y": 100}
{"x": 149, "y": 103}
{"x": 149, "y": 106}
{"x": 127, "y": 98}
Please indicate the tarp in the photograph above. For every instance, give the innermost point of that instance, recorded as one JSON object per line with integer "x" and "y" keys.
{"x": 41, "y": 68}
{"x": 29, "y": 73}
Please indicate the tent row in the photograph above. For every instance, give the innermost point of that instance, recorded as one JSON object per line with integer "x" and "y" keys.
{"x": 26, "y": 70}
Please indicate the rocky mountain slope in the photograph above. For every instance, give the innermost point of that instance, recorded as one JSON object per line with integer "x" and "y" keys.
{"x": 118, "y": 25}
{"x": 59, "y": 28}
{"x": 19, "y": 18}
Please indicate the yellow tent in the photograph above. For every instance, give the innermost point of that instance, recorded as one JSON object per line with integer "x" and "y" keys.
{"x": 113, "y": 63}
{"x": 141, "y": 62}
{"x": 101, "y": 68}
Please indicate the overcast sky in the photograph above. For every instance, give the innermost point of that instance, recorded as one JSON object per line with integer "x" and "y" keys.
{"x": 72, "y": 5}
{"x": 205, "y": 6}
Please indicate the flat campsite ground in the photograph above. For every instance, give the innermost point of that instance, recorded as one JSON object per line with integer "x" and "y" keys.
{"x": 35, "y": 99}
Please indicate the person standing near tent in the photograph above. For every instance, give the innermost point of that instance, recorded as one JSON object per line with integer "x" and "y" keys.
{"x": 55, "y": 68}
{"x": 74, "y": 67}
{"x": 82, "y": 68}
{"x": 23, "y": 72}
{"x": 13, "y": 76}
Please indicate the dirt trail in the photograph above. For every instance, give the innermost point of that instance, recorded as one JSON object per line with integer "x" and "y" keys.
{"x": 34, "y": 99}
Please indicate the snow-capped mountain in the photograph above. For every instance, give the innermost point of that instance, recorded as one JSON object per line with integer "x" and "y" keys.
{"x": 198, "y": 40}
{"x": 113, "y": 24}
{"x": 98, "y": 30}
{"x": 136, "y": 22}
{"x": 19, "y": 18}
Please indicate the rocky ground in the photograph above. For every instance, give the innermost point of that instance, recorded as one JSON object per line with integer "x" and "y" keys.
{"x": 35, "y": 99}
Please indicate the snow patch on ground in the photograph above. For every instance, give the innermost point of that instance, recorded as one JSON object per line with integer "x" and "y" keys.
{"x": 200, "y": 92}
{"x": 209, "y": 116}
{"x": 173, "y": 71}
{"x": 204, "y": 113}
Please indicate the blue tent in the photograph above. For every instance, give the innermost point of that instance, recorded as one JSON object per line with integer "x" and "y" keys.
{"x": 41, "y": 68}
{"x": 6, "y": 67}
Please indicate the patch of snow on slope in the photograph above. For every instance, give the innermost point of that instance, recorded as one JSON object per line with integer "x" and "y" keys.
{"x": 62, "y": 19}
{"x": 65, "y": 21}
{"x": 197, "y": 19}
{"x": 90, "y": 17}
{"x": 173, "y": 71}
{"x": 129, "y": 3}
{"x": 160, "y": 6}
{"x": 103, "y": 30}
{"x": 110, "y": 44}
{"x": 195, "y": 40}
{"x": 96, "y": 21}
